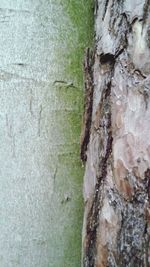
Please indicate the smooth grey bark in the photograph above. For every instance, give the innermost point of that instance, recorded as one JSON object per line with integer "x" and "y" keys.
{"x": 115, "y": 141}
{"x": 40, "y": 169}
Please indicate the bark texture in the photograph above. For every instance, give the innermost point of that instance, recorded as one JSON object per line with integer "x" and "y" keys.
{"x": 115, "y": 141}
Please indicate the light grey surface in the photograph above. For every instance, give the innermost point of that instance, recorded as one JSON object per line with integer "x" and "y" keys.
{"x": 38, "y": 146}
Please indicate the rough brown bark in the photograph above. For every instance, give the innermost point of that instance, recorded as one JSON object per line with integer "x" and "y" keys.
{"x": 115, "y": 142}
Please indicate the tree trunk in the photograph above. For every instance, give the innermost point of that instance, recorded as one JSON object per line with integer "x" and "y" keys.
{"x": 115, "y": 141}
{"x": 41, "y": 50}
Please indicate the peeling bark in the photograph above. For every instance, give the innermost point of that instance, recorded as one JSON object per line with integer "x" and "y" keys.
{"x": 115, "y": 143}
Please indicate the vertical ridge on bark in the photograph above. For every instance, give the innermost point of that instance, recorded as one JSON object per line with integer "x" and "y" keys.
{"x": 88, "y": 102}
{"x": 116, "y": 229}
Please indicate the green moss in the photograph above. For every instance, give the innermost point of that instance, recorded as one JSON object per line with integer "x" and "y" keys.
{"x": 81, "y": 15}
{"x": 75, "y": 36}
{"x": 81, "y": 35}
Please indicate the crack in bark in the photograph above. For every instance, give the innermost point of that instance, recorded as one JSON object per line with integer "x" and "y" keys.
{"x": 96, "y": 7}
{"x": 88, "y": 103}
{"x": 93, "y": 216}
{"x": 116, "y": 8}
{"x": 107, "y": 58}
{"x": 147, "y": 178}
{"x": 146, "y": 9}
{"x": 39, "y": 120}
{"x": 105, "y": 9}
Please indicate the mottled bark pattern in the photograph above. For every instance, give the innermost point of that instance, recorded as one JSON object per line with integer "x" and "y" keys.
{"x": 116, "y": 229}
